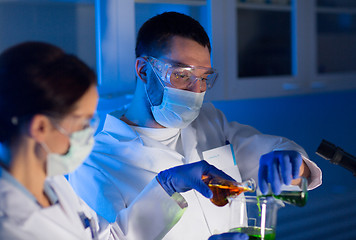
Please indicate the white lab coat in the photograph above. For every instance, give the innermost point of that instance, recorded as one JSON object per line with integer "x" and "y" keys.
{"x": 23, "y": 218}
{"x": 123, "y": 162}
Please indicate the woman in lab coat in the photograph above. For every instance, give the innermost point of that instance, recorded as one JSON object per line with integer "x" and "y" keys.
{"x": 47, "y": 104}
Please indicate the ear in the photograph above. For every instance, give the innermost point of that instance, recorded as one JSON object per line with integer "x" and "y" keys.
{"x": 39, "y": 127}
{"x": 141, "y": 68}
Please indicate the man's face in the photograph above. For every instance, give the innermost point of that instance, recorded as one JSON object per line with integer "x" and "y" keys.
{"x": 181, "y": 51}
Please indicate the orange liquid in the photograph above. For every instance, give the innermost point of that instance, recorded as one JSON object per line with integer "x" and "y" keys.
{"x": 222, "y": 189}
{"x": 221, "y": 192}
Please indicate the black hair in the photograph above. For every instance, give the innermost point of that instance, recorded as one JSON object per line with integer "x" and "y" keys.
{"x": 154, "y": 36}
{"x": 38, "y": 78}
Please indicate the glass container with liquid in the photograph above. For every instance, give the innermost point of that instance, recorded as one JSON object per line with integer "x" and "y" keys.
{"x": 296, "y": 198}
{"x": 255, "y": 216}
{"x": 223, "y": 189}
{"x": 256, "y": 233}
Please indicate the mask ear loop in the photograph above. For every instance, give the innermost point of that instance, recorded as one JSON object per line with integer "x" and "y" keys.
{"x": 45, "y": 147}
{"x": 62, "y": 130}
{"x": 159, "y": 80}
{"x": 158, "y": 77}
{"x": 59, "y": 129}
{"x": 148, "y": 97}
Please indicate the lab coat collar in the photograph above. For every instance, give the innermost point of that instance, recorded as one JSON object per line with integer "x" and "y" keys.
{"x": 10, "y": 179}
{"x": 31, "y": 218}
{"x": 73, "y": 209}
{"x": 15, "y": 204}
{"x": 189, "y": 141}
{"x": 126, "y": 139}
{"x": 126, "y": 133}
{"x": 118, "y": 128}
{"x": 52, "y": 196}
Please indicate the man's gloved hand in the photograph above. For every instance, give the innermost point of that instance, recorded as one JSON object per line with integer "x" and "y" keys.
{"x": 230, "y": 236}
{"x": 276, "y": 168}
{"x": 186, "y": 177}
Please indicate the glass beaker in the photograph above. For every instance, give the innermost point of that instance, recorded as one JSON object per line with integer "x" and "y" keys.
{"x": 255, "y": 216}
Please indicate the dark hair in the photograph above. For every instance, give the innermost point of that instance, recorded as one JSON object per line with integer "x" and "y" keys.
{"x": 38, "y": 78}
{"x": 155, "y": 34}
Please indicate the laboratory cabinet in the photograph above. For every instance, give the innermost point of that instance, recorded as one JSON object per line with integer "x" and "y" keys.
{"x": 266, "y": 48}
{"x": 261, "y": 48}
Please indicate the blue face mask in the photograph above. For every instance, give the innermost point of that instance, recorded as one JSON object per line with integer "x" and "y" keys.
{"x": 81, "y": 144}
{"x": 178, "y": 108}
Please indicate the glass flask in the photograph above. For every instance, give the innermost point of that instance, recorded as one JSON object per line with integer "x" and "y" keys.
{"x": 296, "y": 198}
{"x": 223, "y": 189}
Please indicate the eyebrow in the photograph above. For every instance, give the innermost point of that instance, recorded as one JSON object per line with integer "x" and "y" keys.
{"x": 176, "y": 63}
{"x": 83, "y": 115}
{"x": 179, "y": 64}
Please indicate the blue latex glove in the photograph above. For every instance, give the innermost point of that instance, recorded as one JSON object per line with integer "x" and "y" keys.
{"x": 276, "y": 168}
{"x": 186, "y": 177}
{"x": 230, "y": 236}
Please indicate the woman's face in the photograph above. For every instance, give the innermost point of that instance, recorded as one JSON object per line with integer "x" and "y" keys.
{"x": 76, "y": 120}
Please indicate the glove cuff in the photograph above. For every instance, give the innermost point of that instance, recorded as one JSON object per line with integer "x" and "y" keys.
{"x": 162, "y": 180}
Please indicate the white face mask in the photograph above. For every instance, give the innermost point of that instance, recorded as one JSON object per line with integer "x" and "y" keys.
{"x": 81, "y": 144}
{"x": 178, "y": 108}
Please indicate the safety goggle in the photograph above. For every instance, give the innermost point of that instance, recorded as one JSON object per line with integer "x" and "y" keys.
{"x": 183, "y": 76}
{"x": 79, "y": 123}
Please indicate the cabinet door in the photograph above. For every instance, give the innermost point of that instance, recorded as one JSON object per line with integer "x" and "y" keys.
{"x": 265, "y": 48}
{"x": 254, "y": 48}
{"x": 335, "y": 40}
{"x": 264, "y": 42}
{"x": 336, "y": 36}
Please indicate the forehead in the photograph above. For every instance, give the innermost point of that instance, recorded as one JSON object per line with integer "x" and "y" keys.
{"x": 187, "y": 51}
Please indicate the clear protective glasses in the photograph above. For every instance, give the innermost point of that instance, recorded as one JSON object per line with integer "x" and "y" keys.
{"x": 79, "y": 124}
{"x": 183, "y": 76}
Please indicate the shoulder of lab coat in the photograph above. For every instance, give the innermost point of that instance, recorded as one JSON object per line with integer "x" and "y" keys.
{"x": 248, "y": 143}
{"x": 15, "y": 209}
{"x": 23, "y": 218}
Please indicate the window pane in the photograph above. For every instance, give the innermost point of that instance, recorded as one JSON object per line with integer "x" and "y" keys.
{"x": 336, "y": 3}
{"x": 336, "y": 42}
{"x": 264, "y": 43}
{"x": 70, "y": 26}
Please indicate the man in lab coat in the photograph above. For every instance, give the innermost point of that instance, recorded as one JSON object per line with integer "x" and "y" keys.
{"x": 167, "y": 125}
